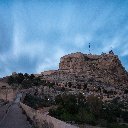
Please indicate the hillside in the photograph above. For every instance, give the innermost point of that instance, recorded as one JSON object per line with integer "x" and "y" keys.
{"x": 79, "y": 68}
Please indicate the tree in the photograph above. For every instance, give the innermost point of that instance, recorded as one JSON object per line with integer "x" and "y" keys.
{"x": 95, "y": 105}
{"x": 69, "y": 103}
{"x": 26, "y": 75}
{"x": 26, "y": 83}
{"x": 50, "y": 85}
{"x": 32, "y": 76}
{"x": 19, "y": 78}
{"x": 58, "y": 99}
{"x": 85, "y": 86}
{"x": 69, "y": 84}
{"x": 81, "y": 100}
{"x": 10, "y": 80}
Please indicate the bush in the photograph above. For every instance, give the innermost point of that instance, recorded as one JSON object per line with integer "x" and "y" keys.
{"x": 86, "y": 117}
{"x": 72, "y": 108}
{"x": 91, "y": 111}
{"x": 36, "y": 102}
{"x": 116, "y": 125}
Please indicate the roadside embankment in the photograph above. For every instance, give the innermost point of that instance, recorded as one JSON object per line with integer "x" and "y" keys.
{"x": 42, "y": 120}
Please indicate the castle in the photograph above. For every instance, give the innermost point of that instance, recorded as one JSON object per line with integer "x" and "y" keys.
{"x": 83, "y": 69}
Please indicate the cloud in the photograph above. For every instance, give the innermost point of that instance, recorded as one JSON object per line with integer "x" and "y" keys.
{"x": 81, "y": 40}
{"x": 111, "y": 44}
{"x": 51, "y": 62}
{"x": 21, "y": 46}
{"x": 34, "y": 35}
{"x": 6, "y": 29}
{"x": 124, "y": 50}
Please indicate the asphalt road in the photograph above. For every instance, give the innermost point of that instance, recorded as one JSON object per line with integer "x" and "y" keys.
{"x": 3, "y": 110}
{"x": 13, "y": 116}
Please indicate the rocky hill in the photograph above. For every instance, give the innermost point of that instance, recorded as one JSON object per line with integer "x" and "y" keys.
{"x": 79, "y": 68}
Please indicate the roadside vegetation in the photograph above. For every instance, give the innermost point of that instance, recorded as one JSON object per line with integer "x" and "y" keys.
{"x": 37, "y": 102}
{"x": 75, "y": 109}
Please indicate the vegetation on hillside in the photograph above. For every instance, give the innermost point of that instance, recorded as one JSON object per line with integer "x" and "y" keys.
{"x": 24, "y": 80}
{"x": 74, "y": 108}
{"x": 92, "y": 111}
{"x": 36, "y": 102}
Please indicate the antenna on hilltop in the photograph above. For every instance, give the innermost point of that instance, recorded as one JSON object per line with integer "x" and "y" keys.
{"x": 89, "y": 48}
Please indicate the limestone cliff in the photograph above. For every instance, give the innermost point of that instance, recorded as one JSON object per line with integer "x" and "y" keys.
{"x": 79, "y": 68}
{"x": 106, "y": 68}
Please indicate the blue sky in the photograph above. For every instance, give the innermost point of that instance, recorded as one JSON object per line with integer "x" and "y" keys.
{"x": 34, "y": 34}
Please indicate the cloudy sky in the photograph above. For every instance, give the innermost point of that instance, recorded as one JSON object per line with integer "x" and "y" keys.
{"x": 34, "y": 34}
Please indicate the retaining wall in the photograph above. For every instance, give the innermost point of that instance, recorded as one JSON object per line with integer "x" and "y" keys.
{"x": 7, "y": 94}
{"x": 43, "y": 120}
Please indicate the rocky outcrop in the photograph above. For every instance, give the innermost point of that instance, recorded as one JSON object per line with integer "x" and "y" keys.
{"x": 87, "y": 68}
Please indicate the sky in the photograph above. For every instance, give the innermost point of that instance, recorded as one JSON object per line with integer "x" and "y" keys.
{"x": 34, "y": 34}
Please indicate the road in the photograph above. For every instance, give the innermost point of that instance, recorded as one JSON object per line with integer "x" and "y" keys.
{"x": 14, "y": 118}
{"x": 3, "y": 110}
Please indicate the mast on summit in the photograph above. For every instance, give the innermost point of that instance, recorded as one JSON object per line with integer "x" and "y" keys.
{"x": 89, "y": 48}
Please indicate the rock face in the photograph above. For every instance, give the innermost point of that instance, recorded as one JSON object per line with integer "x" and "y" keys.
{"x": 79, "y": 68}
